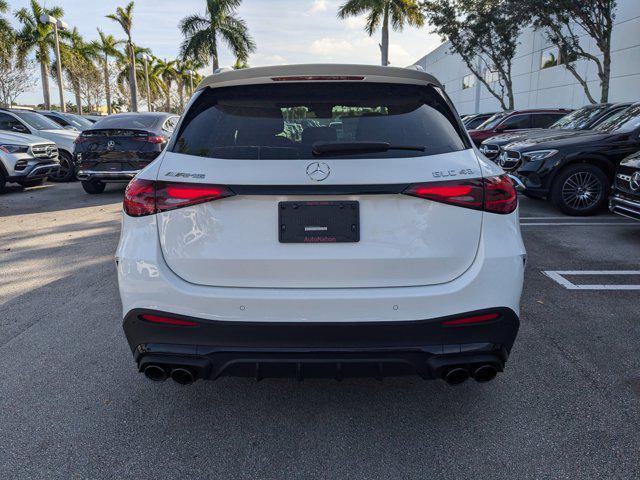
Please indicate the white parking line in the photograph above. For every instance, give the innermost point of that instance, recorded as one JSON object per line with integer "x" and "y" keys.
{"x": 584, "y": 224}
{"x": 558, "y": 277}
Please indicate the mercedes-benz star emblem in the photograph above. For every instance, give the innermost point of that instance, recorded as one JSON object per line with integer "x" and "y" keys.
{"x": 111, "y": 144}
{"x": 49, "y": 151}
{"x": 318, "y": 171}
{"x": 634, "y": 183}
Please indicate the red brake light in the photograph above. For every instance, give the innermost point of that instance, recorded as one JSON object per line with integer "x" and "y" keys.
{"x": 156, "y": 139}
{"x": 168, "y": 321}
{"x": 500, "y": 195}
{"x": 323, "y": 78}
{"x": 493, "y": 194}
{"x": 146, "y": 197}
{"x": 465, "y": 193}
{"x": 471, "y": 320}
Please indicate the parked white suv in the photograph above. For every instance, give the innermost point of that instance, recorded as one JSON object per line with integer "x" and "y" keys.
{"x": 26, "y": 160}
{"x": 28, "y": 122}
{"x": 376, "y": 242}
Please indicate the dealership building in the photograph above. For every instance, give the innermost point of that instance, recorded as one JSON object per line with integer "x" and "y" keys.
{"x": 539, "y": 78}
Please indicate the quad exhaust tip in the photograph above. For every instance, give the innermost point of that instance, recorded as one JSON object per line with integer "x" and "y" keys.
{"x": 155, "y": 373}
{"x": 481, "y": 374}
{"x": 485, "y": 373}
{"x": 456, "y": 376}
{"x": 182, "y": 376}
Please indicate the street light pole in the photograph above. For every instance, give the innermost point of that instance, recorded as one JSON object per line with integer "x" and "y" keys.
{"x": 190, "y": 82}
{"x": 57, "y": 24}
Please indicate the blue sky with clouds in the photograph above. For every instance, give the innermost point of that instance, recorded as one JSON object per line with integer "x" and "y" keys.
{"x": 286, "y": 31}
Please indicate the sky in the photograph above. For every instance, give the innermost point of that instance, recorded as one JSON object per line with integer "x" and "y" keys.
{"x": 286, "y": 31}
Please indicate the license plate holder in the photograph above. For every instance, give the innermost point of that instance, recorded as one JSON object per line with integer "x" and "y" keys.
{"x": 319, "y": 222}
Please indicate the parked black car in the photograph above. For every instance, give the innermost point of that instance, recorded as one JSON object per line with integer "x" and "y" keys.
{"x": 625, "y": 199}
{"x": 575, "y": 172}
{"x": 584, "y": 118}
{"x": 116, "y": 148}
{"x": 475, "y": 120}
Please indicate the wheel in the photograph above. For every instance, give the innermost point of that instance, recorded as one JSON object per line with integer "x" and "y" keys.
{"x": 93, "y": 186}
{"x": 33, "y": 183}
{"x": 67, "y": 169}
{"x": 580, "y": 190}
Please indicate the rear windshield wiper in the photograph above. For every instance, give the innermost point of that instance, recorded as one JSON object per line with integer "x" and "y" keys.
{"x": 337, "y": 148}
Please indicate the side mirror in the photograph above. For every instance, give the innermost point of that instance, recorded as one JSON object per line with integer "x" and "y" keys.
{"x": 20, "y": 128}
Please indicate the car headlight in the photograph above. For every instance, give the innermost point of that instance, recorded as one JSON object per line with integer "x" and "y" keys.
{"x": 8, "y": 148}
{"x": 540, "y": 154}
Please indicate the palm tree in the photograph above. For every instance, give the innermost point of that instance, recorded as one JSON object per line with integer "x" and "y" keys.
{"x": 107, "y": 46}
{"x": 202, "y": 33}
{"x": 6, "y": 33}
{"x": 124, "y": 17}
{"x": 184, "y": 78}
{"x": 77, "y": 63}
{"x": 37, "y": 36}
{"x": 168, "y": 73}
{"x": 379, "y": 12}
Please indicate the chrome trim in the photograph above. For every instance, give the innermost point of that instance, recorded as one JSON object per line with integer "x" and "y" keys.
{"x": 517, "y": 181}
{"x": 85, "y": 174}
{"x": 629, "y": 203}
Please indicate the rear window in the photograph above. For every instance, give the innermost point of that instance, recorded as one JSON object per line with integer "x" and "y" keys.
{"x": 127, "y": 121}
{"x": 287, "y": 120}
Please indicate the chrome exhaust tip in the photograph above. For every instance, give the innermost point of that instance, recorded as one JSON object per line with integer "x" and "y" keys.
{"x": 155, "y": 373}
{"x": 182, "y": 376}
{"x": 456, "y": 376}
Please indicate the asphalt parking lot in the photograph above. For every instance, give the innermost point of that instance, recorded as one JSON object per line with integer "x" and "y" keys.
{"x": 73, "y": 405}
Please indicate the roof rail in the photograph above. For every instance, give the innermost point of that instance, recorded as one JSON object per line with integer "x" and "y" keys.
{"x": 222, "y": 70}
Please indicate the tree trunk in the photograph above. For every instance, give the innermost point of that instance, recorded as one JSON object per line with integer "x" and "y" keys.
{"x": 214, "y": 53}
{"x": 181, "y": 94}
{"x": 44, "y": 72}
{"x": 168, "y": 102}
{"x": 133, "y": 81}
{"x": 107, "y": 87}
{"x": 76, "y": 90}
{"x": 606, "y": 76}
{"x": 384, "y": 47}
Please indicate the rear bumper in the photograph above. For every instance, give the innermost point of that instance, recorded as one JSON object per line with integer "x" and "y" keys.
{"x": 625, "y": 205}
{"x": 106, "y": 176}
{"x": 281, "y": 349}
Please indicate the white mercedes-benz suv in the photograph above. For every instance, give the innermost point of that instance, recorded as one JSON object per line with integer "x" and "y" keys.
{"x": 320, "y": 220}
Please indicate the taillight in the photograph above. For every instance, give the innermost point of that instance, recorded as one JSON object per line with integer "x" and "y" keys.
{"x": 156, "y": 139}
{"x": 80, "y": 139}
{"x": 146, "y": 197}
{"x": 494, "y": 194}
{"x": 316, "y": 78}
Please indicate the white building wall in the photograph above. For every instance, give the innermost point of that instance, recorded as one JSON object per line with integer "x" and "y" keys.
{"x": 550, "y": 87}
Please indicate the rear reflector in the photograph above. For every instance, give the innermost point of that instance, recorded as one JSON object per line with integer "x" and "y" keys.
{"x": 471, "y": 320}
{"x": 493, "y": 194}
{"x": 168, "y": 321}
{"x": 317, "y": 78}
{"x": 146, "y": 197}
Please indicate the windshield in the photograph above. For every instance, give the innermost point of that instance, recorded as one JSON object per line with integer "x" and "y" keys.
{"x": 623, "y": 121}
{"x": 77, "y": 121}
{"x": 492, "y": 121}
{"x": 37, "y": 121}
{"x": 580, "y": 118}
{"x": 337, "y": 119}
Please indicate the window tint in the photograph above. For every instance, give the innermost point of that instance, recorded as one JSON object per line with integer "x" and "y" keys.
{"x": 37, "y": 121}
{"x": 59, "y": 121}
{"x": 543, "y": 120}
{"x": 516, "y": 122}
{"x": 476, "y": 122}
{"x": 77, "y": 121}
{"x": 623, "y": 121}
{"x": 286, "y": 120}
{"x": 579, "y": 119}
{"x": 492, "y": 121}
{"x": 127, "y": 121}
{"x": 7, "y": 122}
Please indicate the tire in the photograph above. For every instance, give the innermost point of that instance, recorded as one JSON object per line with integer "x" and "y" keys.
{"x": 67, "y": 170}
{"x": 33, "y": 183}
{"x": 93, "y": 187}
{"x": 580, "y": 190}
